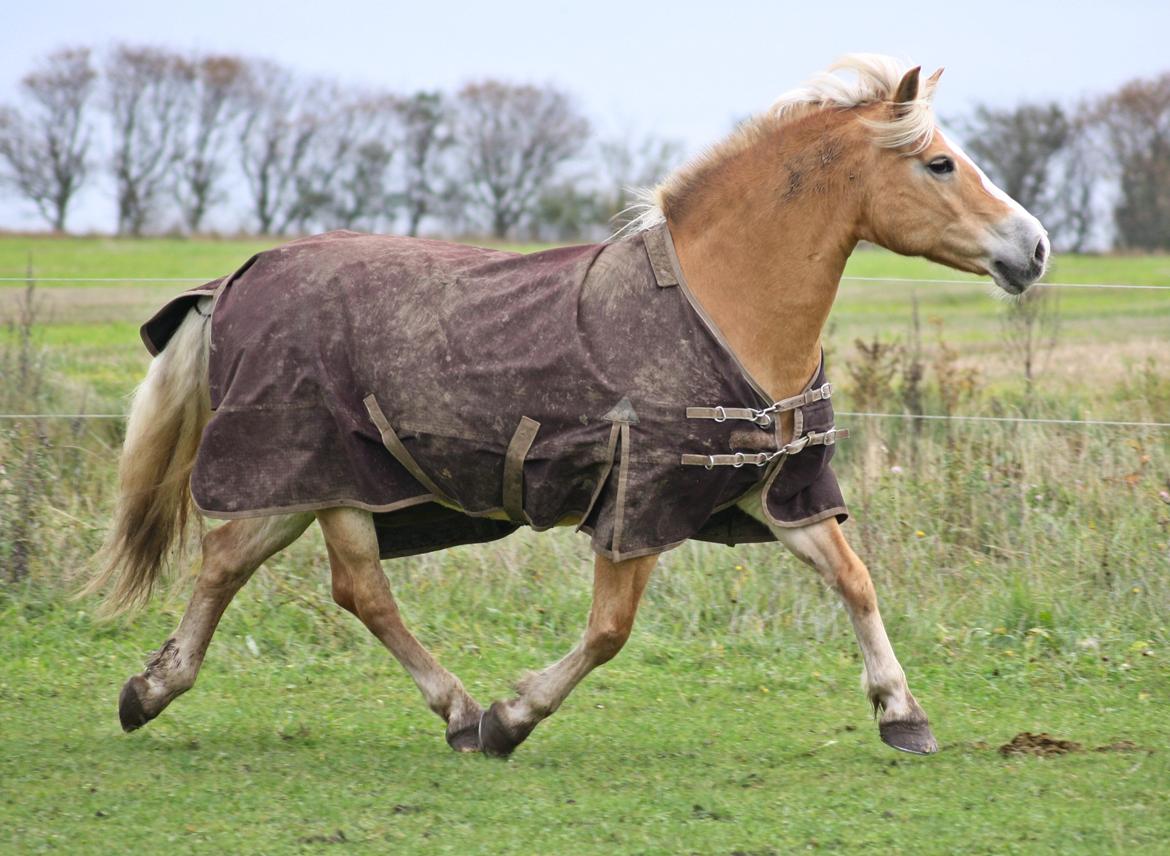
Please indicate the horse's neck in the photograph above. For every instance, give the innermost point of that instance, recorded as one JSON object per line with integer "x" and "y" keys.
{"x": 765, "y": 264}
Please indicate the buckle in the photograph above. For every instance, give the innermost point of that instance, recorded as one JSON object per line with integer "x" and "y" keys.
{"x": 740, "y": 460}
{"x": 720, "y": 414}
{"x": 830, "y": 437}
{"x": 763, "y": 419}
{"x": 797, "y": 445}
{"x": 826, "y": 390}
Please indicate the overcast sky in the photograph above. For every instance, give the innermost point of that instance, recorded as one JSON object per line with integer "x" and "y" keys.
{"x": 681, "y": 70}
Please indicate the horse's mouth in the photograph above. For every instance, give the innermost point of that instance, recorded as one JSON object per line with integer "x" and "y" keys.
{"x": 1014, "y": 279}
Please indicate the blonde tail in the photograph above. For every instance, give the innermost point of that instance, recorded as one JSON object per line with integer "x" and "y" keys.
{"x": 167, "y": 416}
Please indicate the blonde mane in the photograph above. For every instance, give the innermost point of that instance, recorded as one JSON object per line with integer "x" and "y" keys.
{"x": 875, "y": 79}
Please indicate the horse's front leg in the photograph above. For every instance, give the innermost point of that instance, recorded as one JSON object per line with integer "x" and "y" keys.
{"x": 617, "y": 590}
{"x": 902, "y": 723}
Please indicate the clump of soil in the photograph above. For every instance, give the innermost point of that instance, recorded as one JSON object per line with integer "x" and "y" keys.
{"x": 1119, "y": 746}
{"x": 1042, "y": 745}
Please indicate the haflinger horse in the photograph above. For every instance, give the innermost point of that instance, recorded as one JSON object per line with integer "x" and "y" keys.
{"x": 317, "y": 383}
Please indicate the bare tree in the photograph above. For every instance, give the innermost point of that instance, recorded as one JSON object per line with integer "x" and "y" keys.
{"x": 426, "y": 134}
{"x": 1020, "y": 148}
{"x": 629, "y": 163}
{"x": 45, "y": 147}
{"x": 146, "y": 92}
{"x": 567, "y": 211}
{"x": 360, "y": 194}
{"x": 280, "y": 122}
{"x": 1136, "y": 123}
{"x": 344, "y": 177}
{"x": 511, "y": 140}
{"x": 215, "y": 103}
{"x": 1074, "y": 206}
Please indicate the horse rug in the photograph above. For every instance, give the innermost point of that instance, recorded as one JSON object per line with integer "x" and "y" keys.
{"x": 459, "y": 393}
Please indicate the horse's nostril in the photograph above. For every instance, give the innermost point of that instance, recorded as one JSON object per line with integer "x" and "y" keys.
{"x": 1041, "y": 251}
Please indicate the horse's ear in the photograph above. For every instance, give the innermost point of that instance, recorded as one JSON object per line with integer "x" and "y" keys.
{"x": 931, "y": 84}
{"x": 907, "y": 90}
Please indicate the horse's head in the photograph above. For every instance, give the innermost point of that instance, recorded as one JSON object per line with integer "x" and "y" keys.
{"x": 926, "y": 197}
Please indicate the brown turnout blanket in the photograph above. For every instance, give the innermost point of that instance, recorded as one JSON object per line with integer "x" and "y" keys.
{"x": 459, "y": 393}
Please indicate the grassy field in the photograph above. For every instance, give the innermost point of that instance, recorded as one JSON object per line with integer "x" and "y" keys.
{"x": 1024, "y": 573}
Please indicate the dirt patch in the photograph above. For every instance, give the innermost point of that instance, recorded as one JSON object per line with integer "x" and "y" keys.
{"x": 1119, "y": 746}
{"x": 1042, "y": 745}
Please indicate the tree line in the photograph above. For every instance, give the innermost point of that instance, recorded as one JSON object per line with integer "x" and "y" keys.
{"x": 1101, "y": 165}
{"x": 184, "y": 140}
{"x": 180, "y": 138}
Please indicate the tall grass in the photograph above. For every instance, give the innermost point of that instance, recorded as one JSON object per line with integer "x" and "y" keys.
{"x": 1032, "y": 538}
{"x": 975, "y": 533}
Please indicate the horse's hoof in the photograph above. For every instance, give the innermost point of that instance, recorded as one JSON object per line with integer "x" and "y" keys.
{"x": 497, "y": 739}
{"x": 914, "y": 737}
{"x": 130, "y": 710}
{"x": 466, "y": 738}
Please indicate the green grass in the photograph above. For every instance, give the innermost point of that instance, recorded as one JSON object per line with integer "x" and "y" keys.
{"x": 91, "y": 327}
{"x": 1024, "y": 575}
{"x": 208, "y": 259}
{"x": 701, "y": 745}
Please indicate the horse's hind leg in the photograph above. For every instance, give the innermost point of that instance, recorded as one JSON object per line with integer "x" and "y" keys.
{"x": 231, "y": 553}
{"x": 360, "y": 586}
{"x": 617, "y": 590}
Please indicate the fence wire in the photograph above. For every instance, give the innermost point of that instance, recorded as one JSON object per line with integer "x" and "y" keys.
{"x": 937, "y": 417}
{"x": 890, "y": 279}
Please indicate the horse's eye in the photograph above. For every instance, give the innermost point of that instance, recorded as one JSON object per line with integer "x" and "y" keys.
{"x": 941, "y": 165}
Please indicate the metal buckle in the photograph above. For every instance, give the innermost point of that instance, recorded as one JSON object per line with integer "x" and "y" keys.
{"x": 796, "y": 445}
{"x": 710, "y": 465}
{"x": 720, "y": 414}
{"x": 830, "y": 437}
{"x": 826, "y": 390}
{"x": 763, "y": 419}
{"x": 740, "y": 460}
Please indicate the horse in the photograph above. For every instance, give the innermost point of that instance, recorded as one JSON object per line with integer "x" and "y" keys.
{"x": 757, "y": 229}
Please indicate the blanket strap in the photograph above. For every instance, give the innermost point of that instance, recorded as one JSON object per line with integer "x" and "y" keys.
{"x": 394, "y": 446}
{"x": 763, "y": 418}
{"x": 514, "y": 469}
{"x": 761, "y": 459}
{"x": 660, "y": 262}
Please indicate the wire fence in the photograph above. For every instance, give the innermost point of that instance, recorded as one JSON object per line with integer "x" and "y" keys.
{"x": 938, "y": 417}
{"x": 890, "y": 279}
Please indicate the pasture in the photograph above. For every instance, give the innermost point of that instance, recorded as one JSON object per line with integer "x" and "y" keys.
{"x": 1023, "y": 572}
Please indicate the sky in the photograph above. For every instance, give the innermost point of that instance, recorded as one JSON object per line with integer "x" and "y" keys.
{"x": 679, "y": 70}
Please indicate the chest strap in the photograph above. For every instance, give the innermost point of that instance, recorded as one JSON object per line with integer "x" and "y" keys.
{"x": 763, "y": 418}
{"x": 761, "y": 459}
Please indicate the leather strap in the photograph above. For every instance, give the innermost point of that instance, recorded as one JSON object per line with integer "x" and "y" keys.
{"x": 760, "y": 459}
{"x": 514, "y": 469}
{"x": 394, "y": 446}
{"x": 763, "y": 418}
{"x": 655, "y": 241}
